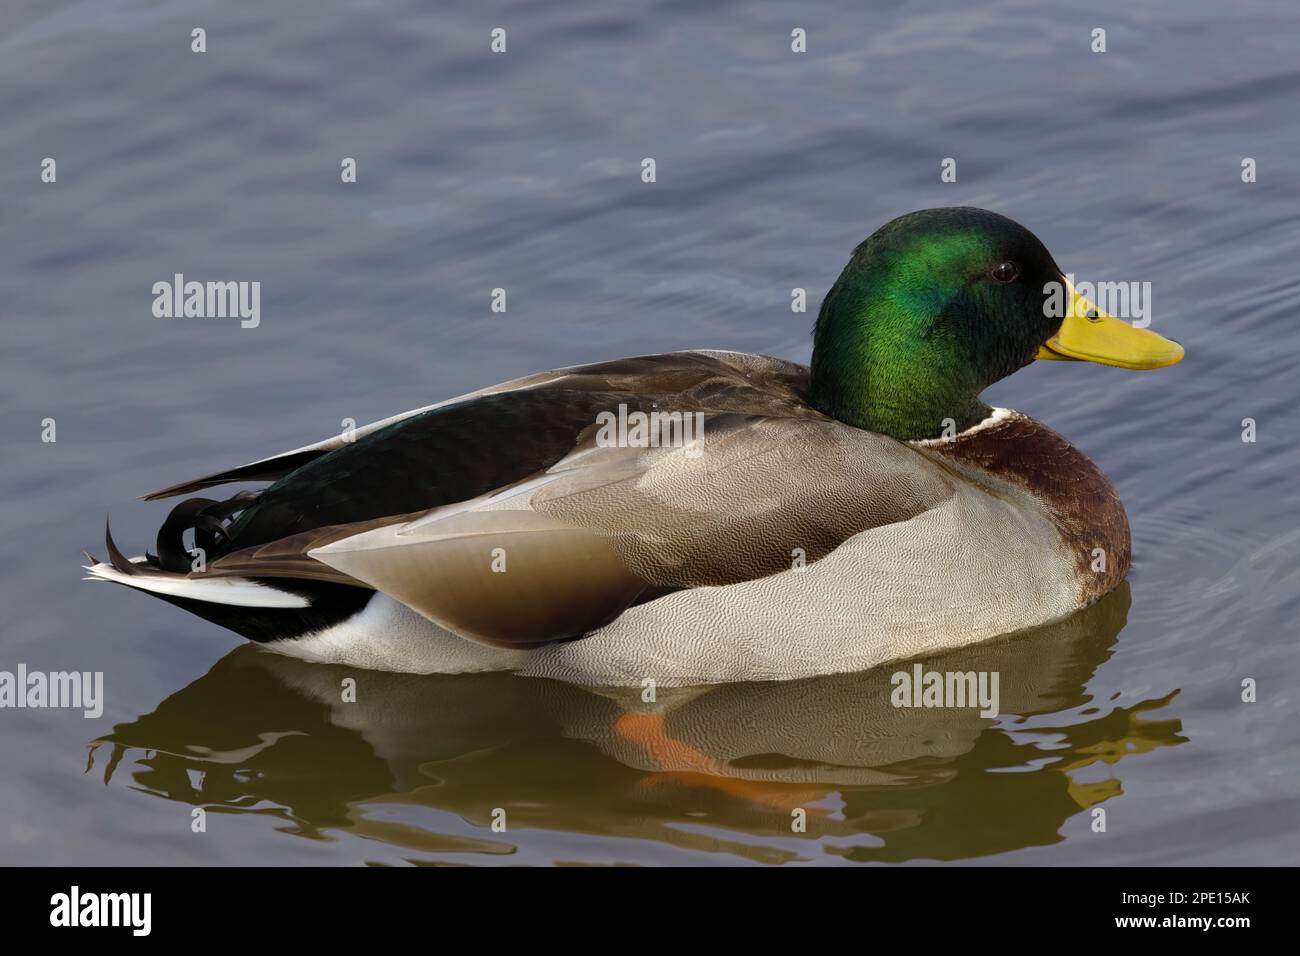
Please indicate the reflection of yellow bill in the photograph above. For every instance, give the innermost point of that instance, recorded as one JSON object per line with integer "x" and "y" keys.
{"x": 1090, "y": 335}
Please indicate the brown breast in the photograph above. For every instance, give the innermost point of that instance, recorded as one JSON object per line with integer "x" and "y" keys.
{"x": 1080, "y": 498}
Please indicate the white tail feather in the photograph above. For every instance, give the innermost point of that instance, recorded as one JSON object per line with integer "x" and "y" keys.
{"x": 239, "y": 592}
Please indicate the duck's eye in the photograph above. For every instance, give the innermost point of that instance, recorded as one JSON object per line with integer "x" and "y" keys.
{"x": 1006, "y": 271}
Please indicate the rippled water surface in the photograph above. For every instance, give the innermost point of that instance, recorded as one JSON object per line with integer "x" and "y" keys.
{"x": 522, "y": 171}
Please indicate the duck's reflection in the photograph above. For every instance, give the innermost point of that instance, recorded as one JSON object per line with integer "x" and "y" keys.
{"x": 723, "y": 768}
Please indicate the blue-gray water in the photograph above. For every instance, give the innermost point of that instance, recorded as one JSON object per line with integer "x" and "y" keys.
{"x": 522, "y": 171}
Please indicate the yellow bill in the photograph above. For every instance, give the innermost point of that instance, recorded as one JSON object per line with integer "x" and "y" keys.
{"x": 1090, "y": 335}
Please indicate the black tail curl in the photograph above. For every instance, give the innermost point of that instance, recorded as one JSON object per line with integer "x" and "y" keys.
{"x": 208, "y": 517}
{"x": 216, "y": 526}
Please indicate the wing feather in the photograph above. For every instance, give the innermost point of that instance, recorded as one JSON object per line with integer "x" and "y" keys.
{"x": 569, "y": 550}
{"x": 504, "y": 578}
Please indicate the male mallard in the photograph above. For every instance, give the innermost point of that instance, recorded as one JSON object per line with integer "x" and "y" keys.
{"x": 769, "y": 522}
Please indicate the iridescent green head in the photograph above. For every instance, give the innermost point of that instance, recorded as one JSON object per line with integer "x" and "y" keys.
{"x": 939, "y": 304}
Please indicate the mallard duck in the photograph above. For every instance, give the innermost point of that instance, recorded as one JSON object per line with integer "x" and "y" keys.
{"x": 695, "y": 517}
